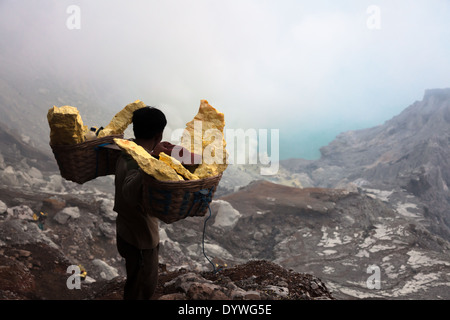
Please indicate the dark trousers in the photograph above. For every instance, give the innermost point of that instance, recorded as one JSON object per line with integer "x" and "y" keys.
{"x": 142, "y": 270}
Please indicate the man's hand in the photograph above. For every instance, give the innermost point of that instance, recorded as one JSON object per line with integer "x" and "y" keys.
{"x": 181, "y": 154}
{"x": 163, "y": 146}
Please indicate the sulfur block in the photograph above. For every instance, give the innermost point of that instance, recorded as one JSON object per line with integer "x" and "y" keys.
{"x": 122, "y": 119}
{"x": 177, "y": 166}
{"x": 204, "y": 135}
{"x": 150, "y": 165}
{"x": 66, "y": 126}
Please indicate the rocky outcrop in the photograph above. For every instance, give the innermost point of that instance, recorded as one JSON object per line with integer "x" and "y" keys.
{"x": 254, "y": 280}
{"x": 407, "y": 155}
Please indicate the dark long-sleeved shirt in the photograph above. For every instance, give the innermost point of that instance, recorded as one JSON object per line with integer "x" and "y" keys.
{"x": 133, "y": 224}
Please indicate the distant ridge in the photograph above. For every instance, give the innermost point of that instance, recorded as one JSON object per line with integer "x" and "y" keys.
{"x": 411, "y": 152}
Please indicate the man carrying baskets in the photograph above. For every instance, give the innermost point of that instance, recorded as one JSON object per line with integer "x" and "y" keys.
{"x": 177, "y": 185}
{"x": 137, "y": 232}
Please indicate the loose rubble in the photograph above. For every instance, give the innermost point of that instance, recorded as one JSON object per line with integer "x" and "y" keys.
{"x": 254, "y": 280}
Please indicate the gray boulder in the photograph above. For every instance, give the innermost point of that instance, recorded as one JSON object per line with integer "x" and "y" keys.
{"x": 67, "y": 213}
{"x": 3, "y": 207}
{"x": 8, "y": 177}
{"x": 106, "y": 209}
{"x": 106, "y": 271}
{"x": 22, "y": 212}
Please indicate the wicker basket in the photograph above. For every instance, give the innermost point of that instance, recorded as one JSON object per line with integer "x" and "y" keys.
{"x": 171, "y": 201}
{"x": 88, "y": 160}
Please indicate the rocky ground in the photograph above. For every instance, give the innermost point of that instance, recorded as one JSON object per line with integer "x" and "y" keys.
{"x": 34, "y": 260}
{"x": 38, "y": 271}
{"x": 254, "y": 280}
{"x": 339, "y": 236}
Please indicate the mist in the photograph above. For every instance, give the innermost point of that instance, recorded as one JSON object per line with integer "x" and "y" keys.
{"x": 310, "y": 69}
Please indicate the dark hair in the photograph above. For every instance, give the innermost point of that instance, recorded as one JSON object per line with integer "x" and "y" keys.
{"x": 148, "y": 122}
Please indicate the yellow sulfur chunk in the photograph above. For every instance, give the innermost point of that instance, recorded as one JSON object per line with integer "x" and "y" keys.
{"x": 66, "y": 126}
{"x": 177, "y": 166}
{"x": 204, "y": 136}
{"x": 150, "y": 165}
{"x": 122, "y": 119}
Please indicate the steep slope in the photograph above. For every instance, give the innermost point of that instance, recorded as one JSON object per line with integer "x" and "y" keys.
{"x": 419, "y": 136}
{"x": 15, "y": 148}
{"x": 334, "y": 234}
{"x": 409, "y": 153}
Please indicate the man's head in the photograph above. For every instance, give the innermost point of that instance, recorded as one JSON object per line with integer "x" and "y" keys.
{"x": 148, "y": 123}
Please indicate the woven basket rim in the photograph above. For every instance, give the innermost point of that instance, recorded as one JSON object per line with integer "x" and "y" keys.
{"x": 87, "y": 143}
{"x": 183, "y": 201}
{"x": 180, "y": 183}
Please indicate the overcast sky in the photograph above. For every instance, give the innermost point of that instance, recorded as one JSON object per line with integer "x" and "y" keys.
{"x": 308, "y": 68}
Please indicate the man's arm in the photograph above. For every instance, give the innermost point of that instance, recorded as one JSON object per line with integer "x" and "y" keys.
{"x": 182, "y": 154}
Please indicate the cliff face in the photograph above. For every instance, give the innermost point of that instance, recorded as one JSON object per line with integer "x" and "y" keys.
{"x": 419, "y": 136}
{"x": 409, "y": 154}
